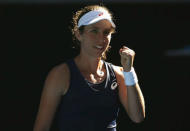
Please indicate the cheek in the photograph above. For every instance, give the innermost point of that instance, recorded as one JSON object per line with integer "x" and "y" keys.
{"x": 94, "y": 37}
{"x": 89, "y": 37}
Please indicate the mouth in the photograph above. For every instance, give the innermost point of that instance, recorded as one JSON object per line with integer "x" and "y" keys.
{"x": 99, "y": 47}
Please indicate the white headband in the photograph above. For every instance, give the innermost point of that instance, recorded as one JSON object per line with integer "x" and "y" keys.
{"x": 93, "y": 17}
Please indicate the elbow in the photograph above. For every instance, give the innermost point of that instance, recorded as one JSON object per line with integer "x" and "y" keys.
{"x": 138, "y": 118}
{"x": 40, "y": 128}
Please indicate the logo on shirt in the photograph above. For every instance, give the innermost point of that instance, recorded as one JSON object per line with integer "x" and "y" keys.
{"x": 114, "y": 85}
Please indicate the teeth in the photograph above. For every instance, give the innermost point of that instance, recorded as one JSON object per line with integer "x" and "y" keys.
{"x": 99, "y": 47}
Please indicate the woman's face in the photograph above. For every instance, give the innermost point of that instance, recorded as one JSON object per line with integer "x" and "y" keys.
{"x": 96, "y": 38}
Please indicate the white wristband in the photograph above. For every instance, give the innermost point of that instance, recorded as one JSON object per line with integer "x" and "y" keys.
{"x": 130, "y": 77}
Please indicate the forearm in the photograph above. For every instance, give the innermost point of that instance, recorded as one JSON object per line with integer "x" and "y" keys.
{"x": 135, "y": 102}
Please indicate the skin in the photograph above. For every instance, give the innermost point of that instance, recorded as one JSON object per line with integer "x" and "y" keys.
{"x": 94, "y": 41}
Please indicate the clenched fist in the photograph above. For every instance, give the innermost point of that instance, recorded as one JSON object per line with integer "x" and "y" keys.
{"x": 127, "y": 58}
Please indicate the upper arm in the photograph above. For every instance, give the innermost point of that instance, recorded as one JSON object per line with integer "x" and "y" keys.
{"x": 122, "y": 87}
{"x": 55, "y": 86}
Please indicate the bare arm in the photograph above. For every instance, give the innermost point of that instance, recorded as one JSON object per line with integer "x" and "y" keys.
{"x": 131, "y": 97}
{"x": 55, "y": 86}
{"x": 136, "y": 104}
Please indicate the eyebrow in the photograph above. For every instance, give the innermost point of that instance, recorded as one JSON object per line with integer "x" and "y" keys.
{"x": 112, "y": 29}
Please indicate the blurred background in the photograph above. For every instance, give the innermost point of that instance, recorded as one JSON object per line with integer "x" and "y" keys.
{"x": 35, "y": 36}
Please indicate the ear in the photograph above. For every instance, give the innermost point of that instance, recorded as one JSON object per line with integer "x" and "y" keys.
{"x": 78, "y": 35}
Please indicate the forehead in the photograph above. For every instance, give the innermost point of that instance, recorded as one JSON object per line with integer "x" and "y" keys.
{"x": 102, "y": 24}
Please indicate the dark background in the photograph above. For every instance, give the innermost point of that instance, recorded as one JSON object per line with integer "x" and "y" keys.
{"x": 36, "y": 37}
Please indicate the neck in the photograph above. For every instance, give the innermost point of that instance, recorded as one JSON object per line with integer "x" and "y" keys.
{"x": 89, "y": 64}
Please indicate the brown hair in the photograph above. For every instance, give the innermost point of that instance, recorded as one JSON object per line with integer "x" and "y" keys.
{"x": 76, "y": 18}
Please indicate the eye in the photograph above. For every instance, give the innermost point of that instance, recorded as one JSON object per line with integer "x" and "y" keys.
{"x": 94, "y": 31}
{"x": 106, "y": 33}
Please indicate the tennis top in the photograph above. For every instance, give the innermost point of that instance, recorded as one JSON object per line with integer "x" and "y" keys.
{"x": 87, "y": 106}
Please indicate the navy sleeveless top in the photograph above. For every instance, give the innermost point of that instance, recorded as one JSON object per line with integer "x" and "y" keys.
{"x": 87, "y": 106}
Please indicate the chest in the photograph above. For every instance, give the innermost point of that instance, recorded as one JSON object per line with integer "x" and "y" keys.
{"x": 97, "y": 77}
{"x": 87, "y": 97}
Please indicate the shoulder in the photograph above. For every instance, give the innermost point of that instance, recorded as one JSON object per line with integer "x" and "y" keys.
{"x": 59, "y": 70}
{"x": 117, "y": 69}
{"x": 58, "y": 78}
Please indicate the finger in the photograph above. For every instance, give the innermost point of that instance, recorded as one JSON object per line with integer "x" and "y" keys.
{"x": 120, "y": 51}
{"x": 128, "y": 50}
{"x": 125, "y": 47}
{"x": 123, "y": 54}
{"x": 127, "y": 54}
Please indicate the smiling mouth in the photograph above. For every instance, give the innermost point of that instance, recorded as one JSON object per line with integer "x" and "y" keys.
{"x": 99, "y": 47}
